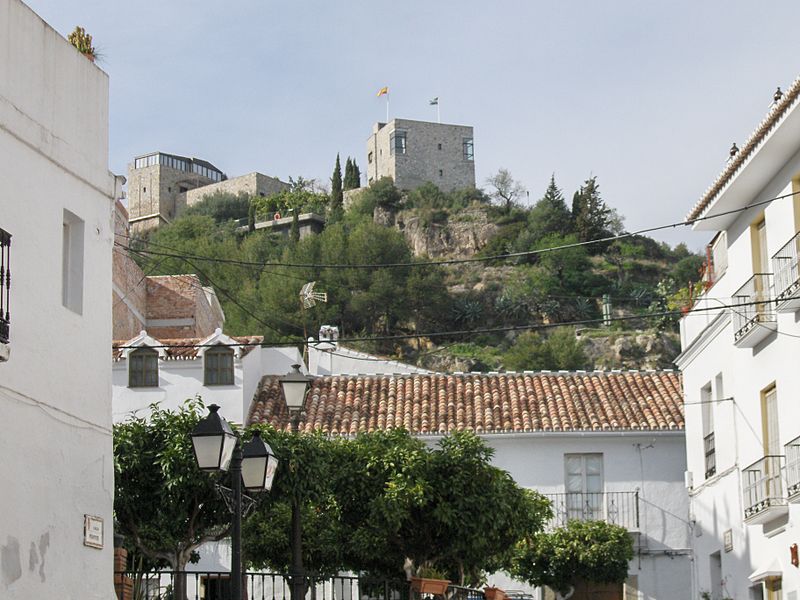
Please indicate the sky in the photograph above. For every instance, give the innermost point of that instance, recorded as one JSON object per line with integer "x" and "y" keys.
{"x": 646, "y": 96}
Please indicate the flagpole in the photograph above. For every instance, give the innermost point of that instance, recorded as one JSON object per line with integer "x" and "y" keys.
{"x": 438, "y": 115}
{"x": 387, "y": 107}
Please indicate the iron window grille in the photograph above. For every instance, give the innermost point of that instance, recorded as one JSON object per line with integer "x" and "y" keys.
{"x": 5, "y": 285}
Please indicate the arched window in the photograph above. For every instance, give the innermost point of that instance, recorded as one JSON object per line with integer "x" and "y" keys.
{"x": 218, "y": 366}
{"x": 143, "y": 368}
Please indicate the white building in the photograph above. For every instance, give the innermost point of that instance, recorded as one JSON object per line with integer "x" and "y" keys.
{"x": 741, "y": 343}
{"x": 56, "y": 198}
{"x": 602, "y": 445}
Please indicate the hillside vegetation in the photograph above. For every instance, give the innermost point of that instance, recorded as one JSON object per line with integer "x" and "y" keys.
{"x": 258, "y": 275}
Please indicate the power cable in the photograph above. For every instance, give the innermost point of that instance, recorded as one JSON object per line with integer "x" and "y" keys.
{"x": 466, "y": 332}
{"x": 478, "y": 259}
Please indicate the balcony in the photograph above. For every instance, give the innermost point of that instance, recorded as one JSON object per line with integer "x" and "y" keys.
{"x": 792, "y": 450}
{"x": 753, "y": 311}
{"x": 709, "y": 447}
{"x": 5, "y": 286}
{"x": 786, "y": 267}
{"x": 618, "y": 508}
{"x": 763, "y": 491}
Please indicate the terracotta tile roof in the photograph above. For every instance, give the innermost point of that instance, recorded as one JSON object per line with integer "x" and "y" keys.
{"x": 765, "y": 127}
{"x": 186, "y": 348}
{"x": 484, "y": 403}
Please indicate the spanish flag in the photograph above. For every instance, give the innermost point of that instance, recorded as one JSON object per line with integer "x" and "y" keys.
{"x": 383, "y": 91}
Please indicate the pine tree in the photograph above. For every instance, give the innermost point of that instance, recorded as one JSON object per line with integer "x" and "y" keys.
{"x": 550, "y": 214}
{"x": 337, "y": 197}
{"x": 590, "y": 215}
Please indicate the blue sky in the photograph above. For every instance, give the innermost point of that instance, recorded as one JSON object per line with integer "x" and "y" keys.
{"x": 647, "y": 96}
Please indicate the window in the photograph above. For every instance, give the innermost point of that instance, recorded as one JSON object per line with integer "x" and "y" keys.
{"x": 144, "y": 190}
{"x": 441, "y": 173}
{"x": 440, "y": 146}
{"x": 758, "y": 241}
{"x": 583, "y": 475}
{"x": 719, "y": 254}
{"x": 769, "y": 422}
{"x": 218, "y": 366}
{"x": 143, "y": 368}
{"x": 397, "y": 142}
{"x": 369, "y": 158}
{"x": 182, "y": 189}
{"x": 5, "y": 285}
{"x": 709, "y": 444}
{"x": 72, "y": 262}
{"x": 469, "y": 151}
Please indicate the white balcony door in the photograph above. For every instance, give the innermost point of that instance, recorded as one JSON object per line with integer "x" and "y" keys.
{"x": 583, "y": 474}
{"x": 772, "y": 442}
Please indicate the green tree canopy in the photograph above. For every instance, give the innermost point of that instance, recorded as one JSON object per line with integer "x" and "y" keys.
{"x": 590, "y": 215}
{"x": 592, "y": 551}
{"x": 560, "y": 350}
{"x": 550, "y": 214}
{"x": 337, "y": 195}
{"x": 163, "y": 504}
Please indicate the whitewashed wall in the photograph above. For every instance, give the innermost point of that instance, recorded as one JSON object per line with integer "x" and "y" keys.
{"x": 55, "y": 390}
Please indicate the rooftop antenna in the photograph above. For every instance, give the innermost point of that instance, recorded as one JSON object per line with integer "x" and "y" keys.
{"x": 309, "y": 299}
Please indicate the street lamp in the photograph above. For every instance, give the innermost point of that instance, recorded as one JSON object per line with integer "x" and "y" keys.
{"x": 218, "y": 448}
{"x": 295, "y": 386}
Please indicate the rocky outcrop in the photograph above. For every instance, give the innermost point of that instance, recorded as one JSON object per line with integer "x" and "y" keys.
{"x": 634, "y": 350}
{"x": 451, "y": 236}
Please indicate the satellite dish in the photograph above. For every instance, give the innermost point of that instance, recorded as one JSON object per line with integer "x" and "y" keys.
{"x": 309, "y": 297}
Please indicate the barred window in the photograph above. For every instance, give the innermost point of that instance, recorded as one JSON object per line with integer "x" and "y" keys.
{"x": 469, "y": 149}
{"x": 218, "y": 366}
{"x": 397, "y": 142}
{"x": 143, "y": 368}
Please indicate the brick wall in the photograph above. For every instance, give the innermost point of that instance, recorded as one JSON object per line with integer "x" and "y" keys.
{"x": 177, "y": 306}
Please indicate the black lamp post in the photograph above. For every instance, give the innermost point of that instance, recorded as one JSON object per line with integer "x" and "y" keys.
{"x": 218, "y": 448}
{"x": 295, "y": 386}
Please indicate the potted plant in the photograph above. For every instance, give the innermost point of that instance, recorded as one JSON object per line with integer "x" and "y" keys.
{"x": 494, "y": 593}
{"x": 430, "y": 581}
{"x": 83, "y": 43}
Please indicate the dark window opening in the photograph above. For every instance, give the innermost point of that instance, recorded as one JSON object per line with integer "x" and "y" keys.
{"x": 143, "y": 368}
{"x": 218, "y": 366}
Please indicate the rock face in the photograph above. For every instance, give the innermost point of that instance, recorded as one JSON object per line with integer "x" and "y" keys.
{"x": 636, "y": 350}
{"x": 458, "y": 236}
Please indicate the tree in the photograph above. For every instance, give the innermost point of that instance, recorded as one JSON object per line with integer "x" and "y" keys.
{"x": 550, "y": 214}
{"x": 337, "y": 196}
{"x": 352, "y": 176}
{"x": 592, "y": 551}
{"x": 221, "y": 206}
{"x": 590, "y": 215}
{"x": 164, "y": 505}
{"x": 294, "y": 231}
{"x": 561, "y": 350}
{"x": 506, "y": 190}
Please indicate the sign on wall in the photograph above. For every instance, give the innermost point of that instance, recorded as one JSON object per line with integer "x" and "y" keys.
{"x": 727, "y": 540}
{"x": 92, "y": 531}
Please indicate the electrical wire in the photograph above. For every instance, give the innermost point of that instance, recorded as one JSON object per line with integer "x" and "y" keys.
{"x": 465, "y": 332}
{"x": 479, "y": 259}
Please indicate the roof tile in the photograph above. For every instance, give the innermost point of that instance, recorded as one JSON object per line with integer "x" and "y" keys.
{"x": 485, "y": 403}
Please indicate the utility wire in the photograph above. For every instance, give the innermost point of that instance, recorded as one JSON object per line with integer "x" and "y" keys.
{"x": 466, "y": 332}
{"x": 479, "y": 259}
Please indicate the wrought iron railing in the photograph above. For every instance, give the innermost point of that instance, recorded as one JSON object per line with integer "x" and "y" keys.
{"x": 792, "y": 450}
{"x": 762, "y": 485}
{"x": 618, "y": 508}
{"x": 711, "y": 457}
{"x": 752, "y": 305}
{"x": 5, "y": 285}
{"x": 215, "y": 585}
{"x": 786, "y": 267}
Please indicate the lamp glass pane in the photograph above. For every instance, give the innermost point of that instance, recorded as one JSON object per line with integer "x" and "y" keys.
{"x": 272, "y": 467}
{"x": 294, "y": 392}
{"x": 253, "y": 470}
{"x": 227, "y": 451}
{"x": 206, "y": 451}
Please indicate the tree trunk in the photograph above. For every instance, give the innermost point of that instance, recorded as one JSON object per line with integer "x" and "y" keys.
{"x": 179, "y": 591}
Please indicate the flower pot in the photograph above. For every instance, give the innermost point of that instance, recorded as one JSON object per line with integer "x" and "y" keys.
{"x": 494, "y": 593}
{"x": 423, "y": 585}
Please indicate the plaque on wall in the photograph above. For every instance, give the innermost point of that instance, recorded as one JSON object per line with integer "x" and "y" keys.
{"x": 92, "y": 531}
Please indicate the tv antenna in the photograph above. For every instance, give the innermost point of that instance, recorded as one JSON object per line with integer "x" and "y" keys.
{"x": 309, "y": 297}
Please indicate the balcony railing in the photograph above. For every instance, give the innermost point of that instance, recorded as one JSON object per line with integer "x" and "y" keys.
{"x": 753, "y": 311}
{"x": 618, "y": 508}
{"x": 763, "y": 491}
{"x": 792, "y": 450}
{"x": 5, "y": 285}
{"x": 786, "y": 267}
{"x": 709, "y": 447}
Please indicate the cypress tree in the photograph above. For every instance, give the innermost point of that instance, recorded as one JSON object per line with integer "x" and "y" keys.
{"x": 348, "y": 174}
{"x": 590, "y": 215}
{"x": 337, "y": 197}
{"x": 356, "y": 176}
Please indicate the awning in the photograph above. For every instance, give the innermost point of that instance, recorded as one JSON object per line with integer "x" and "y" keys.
{"x": 773, "y": 569}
